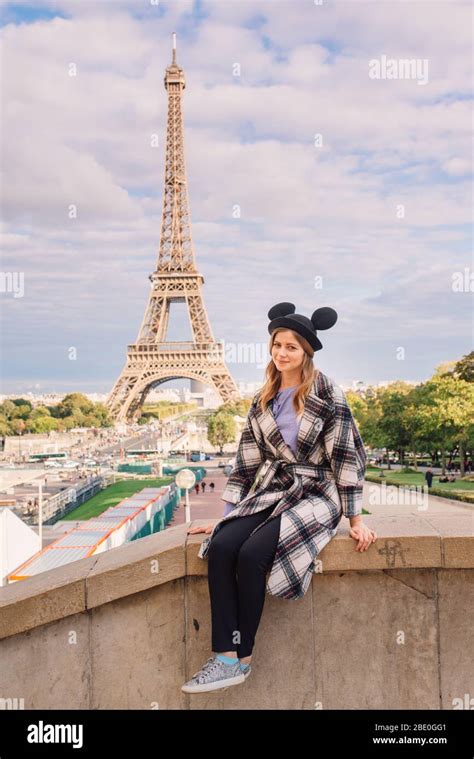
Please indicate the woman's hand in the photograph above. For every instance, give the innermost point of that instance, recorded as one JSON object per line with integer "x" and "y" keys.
{"x": 363, "y": 534}
{"x": 202, "y": 528}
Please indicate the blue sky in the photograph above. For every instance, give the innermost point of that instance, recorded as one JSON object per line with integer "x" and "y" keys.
{"x": 329, "y": 214}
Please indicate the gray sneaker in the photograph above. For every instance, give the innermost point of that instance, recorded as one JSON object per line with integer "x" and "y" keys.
{"x": 214, "y": 675}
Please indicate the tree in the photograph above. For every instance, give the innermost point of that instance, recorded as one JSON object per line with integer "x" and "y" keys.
{"x": 18, "y": 426}
{"x": 71, "y": 404}
{"x": 393, "y": 420}
{"x": 236, "y": 408}
{"x": 4, "y": 426}
{"x": 41, "y": 424}
{"x": 448, "y": 414}
{"x": 412, "y": 417}
{"x": 8, "y": 409}
{"x": 464, "y": 368}
{"x": 221, "y": 429}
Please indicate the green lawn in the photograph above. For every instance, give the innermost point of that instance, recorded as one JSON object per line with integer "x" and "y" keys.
{"x": 113, "y": 495}
{"x": 418, "y": 478}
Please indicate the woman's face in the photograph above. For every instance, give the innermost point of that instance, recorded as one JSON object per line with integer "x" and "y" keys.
{"x": 287, "y": 353}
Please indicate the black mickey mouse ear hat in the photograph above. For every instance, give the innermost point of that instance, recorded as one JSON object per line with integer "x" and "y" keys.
{"x": 283, "y": 315}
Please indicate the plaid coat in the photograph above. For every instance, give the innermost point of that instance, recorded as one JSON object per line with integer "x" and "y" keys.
{"x": 311, "y": 490}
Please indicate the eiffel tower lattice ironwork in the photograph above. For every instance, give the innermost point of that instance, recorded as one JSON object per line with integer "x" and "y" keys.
{"x": 152, "y": 360}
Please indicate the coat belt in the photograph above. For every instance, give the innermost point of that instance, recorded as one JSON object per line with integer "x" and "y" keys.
{"x": 270, "y": 466}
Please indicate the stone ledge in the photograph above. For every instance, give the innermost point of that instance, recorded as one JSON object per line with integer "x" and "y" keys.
{"x": 408, "y": 542}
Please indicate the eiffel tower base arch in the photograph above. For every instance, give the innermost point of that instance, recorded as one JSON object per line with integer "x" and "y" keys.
{"x": 131, "y": 389}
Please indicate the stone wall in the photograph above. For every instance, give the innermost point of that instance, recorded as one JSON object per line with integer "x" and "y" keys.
{"x": 390, "y": 628}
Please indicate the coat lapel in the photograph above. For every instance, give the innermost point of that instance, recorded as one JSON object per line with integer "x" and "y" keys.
{"x": 272, "y": 435}
{"x": 316, "y": 411}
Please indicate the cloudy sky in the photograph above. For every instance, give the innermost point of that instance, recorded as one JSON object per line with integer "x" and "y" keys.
{"x": 372, "y": 218}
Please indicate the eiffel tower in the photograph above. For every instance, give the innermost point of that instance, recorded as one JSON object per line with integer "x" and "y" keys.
{"x": 152, "y": 360}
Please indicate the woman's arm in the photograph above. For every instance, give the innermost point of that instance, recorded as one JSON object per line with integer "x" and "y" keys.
{"x": 247, "y": 461}
{"x": 346, "y": 453}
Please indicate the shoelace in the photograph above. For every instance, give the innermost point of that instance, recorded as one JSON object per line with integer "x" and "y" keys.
{"x": 203, "y": 668}
{"x": 208, "y": 669}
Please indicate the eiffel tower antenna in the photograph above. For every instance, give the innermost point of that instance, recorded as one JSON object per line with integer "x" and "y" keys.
{"x": 152, "y": 359}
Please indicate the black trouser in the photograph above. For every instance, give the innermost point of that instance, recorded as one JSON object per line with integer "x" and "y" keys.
{"x": 237, "y": 569}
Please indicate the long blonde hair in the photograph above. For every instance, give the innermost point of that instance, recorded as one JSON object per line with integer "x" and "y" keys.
{"x": 273, "y": 377}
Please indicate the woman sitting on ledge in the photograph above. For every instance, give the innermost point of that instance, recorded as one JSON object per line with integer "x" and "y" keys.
{"x": 299, "y": 468}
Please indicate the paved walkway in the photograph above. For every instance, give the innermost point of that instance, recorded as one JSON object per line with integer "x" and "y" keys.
{"x": 206, "y": 505}
{"x": 386, "y": 500}
{"x": 377, "y": 500}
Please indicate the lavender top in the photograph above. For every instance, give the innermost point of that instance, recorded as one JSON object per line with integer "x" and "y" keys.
{"x": 287, "y": 421}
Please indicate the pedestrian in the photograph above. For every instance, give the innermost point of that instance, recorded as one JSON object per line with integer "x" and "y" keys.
{"x": 277, "y": 489}
{"x": 211, "y": 486}
{"x": 196, "y": 488}
{"x": 203, "y": 486}
{"x": 429, "y": 476}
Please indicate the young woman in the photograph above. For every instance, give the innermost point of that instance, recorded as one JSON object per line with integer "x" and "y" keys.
{"x": 299, "y": 468}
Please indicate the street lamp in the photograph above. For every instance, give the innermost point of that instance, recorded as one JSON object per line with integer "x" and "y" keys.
{"x": 186, "y": 479}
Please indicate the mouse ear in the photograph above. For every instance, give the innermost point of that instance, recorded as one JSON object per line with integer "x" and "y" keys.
{"x": 324, "y": 318}
{"x": 281, "y": 309}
